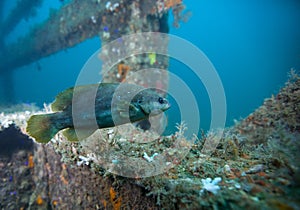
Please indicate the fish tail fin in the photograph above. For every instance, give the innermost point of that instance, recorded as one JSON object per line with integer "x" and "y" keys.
{"x": 42, "y": 127}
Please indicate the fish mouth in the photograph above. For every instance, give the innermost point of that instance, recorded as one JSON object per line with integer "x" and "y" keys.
{"x": 166, "y": 106}
{"x": 163, "y": 108}
{"x": 157, "y": 111}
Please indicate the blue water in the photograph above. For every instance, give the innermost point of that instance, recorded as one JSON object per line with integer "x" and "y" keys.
{"x": 252, "y": 44}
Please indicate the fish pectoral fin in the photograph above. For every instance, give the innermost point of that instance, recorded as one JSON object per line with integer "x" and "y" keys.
{"x": 125, "y": 106}
{"x": 124, "y": 114}
{"x": 133, "y": 107}
{"x": 122, "y": 106}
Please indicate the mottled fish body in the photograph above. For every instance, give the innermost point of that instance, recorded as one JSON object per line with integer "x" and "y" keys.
{"x": 104, "y": 105}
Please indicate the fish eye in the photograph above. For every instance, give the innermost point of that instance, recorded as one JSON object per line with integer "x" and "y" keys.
{"x": 160, "y": 100}
{"x": 139, "y": 101}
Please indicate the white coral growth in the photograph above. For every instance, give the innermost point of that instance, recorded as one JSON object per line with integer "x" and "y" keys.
{"x": 210, "y": 185}
{"x": 86, "y": 160}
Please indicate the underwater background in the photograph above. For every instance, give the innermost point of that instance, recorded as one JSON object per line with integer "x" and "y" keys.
{"x": 253, "y": 163}
{"x": 252, "y": 44}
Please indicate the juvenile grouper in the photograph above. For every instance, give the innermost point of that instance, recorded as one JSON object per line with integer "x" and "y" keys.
{"x": 113, "y": 104}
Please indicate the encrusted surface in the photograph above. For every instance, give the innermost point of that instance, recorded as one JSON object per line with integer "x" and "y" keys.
{"x": 255, "y": 165}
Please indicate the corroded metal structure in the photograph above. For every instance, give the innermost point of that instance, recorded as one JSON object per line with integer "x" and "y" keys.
{"x": 64, "y": 28}
{"x": 23, "y": 10}
{"x": 79, "y": 20}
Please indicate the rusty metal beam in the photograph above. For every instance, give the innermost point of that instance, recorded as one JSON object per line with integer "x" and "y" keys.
{"x": 78, "y": 21}
{"x": 24, "y": 9}
{"x": 65, "y": 28}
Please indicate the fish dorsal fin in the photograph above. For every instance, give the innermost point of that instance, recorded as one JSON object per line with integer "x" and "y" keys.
{"x": 64, "y": 99}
